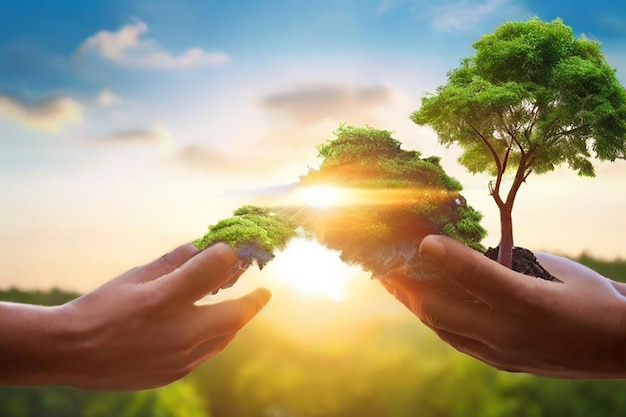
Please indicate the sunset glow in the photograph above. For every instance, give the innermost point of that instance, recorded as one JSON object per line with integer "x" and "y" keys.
{"x": 321, "y": 196}
{"x": 313, "y": 270}
{"x": 189, "y": 111}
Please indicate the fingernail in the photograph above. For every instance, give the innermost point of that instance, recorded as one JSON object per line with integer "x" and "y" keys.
{"x": 234, "y": 267}
{"x": 226, "y": 252}
{"x": 432, "y": 248}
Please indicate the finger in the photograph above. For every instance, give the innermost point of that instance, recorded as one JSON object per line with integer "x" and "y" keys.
{"x": 208, "y": 348}
{"x": 440, "y": 312}
{"x": 228, "y": 317}
{"x": 567, "y": 270}
{"x": 415, "y": 288}
{"x": 487, "y": 280}
{"x": 187, "y": 361}
{"x": 620, "y": 287}
{"x": 479, "y": 351}
{"x": 465, "y": 345}
{"x": 163, "y": 265}
{"x": 202, "y": 274}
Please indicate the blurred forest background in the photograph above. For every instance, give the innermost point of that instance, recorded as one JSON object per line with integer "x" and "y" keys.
{"x": 392, "y": 367}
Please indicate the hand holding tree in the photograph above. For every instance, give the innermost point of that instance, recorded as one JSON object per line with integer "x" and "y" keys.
{"x": 574, "y": 329}
{"x": 532, "y": 98}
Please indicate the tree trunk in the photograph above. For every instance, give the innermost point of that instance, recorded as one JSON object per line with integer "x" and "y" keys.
{"x": 505, "y": 252}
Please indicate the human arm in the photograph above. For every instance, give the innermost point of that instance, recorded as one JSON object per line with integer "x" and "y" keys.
{"x": 574, "y": 329}
{"x": 140, "y": 330}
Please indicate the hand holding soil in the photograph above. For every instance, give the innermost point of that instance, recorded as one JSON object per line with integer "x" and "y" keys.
{"x": 570, "y": 329}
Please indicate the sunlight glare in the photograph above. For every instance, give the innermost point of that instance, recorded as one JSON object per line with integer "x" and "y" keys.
{"x": 313, "y": 270}
{"x": 321, "y": 196}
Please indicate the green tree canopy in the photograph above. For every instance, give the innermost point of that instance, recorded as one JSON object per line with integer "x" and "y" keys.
{"x": 533, "y": 97}
{"x": 393, "y": 199}
{"x": 400, "y": 198}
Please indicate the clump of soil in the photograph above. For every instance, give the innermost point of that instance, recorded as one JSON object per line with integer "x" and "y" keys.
{"x": 524, "y": 262}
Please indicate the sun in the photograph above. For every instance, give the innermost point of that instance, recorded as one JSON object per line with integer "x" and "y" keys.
{"x": 321, "y": 196}
{"x": 313, "y": 270}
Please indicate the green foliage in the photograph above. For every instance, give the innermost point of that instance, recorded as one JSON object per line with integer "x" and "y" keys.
{"x": 402, "y": 198}
{"x": 533, "y": 97}
{"x": 615, "y": 270}
{"x": 367, "y": 157}
{"x": 52, "y": 297}
{"x": 177, "y": 400}
{"x": 536, "y": 86}
{"x": 468, "y": 229}
{"x": 393, "y": 369}
{"x": 252, "y": 232}
{"x": 385, "y": 366}
{"x": 352, "y": 142}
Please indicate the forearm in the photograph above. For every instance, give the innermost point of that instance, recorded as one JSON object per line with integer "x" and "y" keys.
{"x": 33, "y": 345}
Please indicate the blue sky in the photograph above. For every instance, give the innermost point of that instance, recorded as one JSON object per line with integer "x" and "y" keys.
{"x": 128, "y": 126}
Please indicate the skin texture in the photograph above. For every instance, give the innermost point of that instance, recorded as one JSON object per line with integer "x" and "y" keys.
{"x": 575, "y": 329}
{"x": 140, "y": 330}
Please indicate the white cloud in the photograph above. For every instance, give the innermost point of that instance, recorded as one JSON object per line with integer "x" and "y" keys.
{"x": 129, "y": 47}
{"x": 107, "y": 98}
{"x": 385, "y": 6}
{"x": 157, "y": 134}
{"x": 616, "y": 59}
{"x": 48, "y": 115}
{"x": 311, "y": 103}
{"x": 613, "y": 23}
{"x": 464, "y": 15}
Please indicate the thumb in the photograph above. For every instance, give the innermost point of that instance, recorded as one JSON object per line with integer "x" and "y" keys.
{"x": 487, "y": 280}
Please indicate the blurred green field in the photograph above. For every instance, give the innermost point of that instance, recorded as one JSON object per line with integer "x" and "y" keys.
{"x": 390, "y": 367}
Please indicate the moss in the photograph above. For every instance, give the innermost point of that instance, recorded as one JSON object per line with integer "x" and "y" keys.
{"x": 254, "y": 233}
{"x": 407, "y": 198}
{"x": 410, "y": 197}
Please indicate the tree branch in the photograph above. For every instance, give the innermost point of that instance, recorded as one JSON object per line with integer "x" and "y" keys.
{"x": 492, "y": 150}
{"x": 572, "y": 130}
{"x": 535, "y": 116}
{"x": 495, "y": 192}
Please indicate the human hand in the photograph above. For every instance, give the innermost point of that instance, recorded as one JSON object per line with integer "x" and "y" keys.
{"x": 142, "y": 329}
{"x": 574, "y": 329}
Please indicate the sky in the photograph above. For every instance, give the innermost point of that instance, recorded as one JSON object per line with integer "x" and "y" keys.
{"x": 128, "y": 126}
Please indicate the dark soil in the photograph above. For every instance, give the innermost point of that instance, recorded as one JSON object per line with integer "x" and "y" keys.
{"x": 525, "y": 262}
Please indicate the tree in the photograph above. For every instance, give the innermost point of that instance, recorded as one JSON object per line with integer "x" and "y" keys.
{"x": 395, "y": 196}
{"x": 532, "y": 97}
